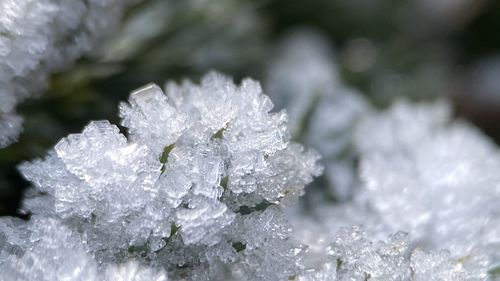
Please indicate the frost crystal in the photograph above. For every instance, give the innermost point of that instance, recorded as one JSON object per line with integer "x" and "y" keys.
{"x": 43, "y": 36}
{"x": 441, "y": 177}
{"x": 304, "y": 79}
{"x": 54, "y": 252}
{"x": 423, "y": 174}
{"x": 353, "y": 257}
{"x": 197, "y": 188}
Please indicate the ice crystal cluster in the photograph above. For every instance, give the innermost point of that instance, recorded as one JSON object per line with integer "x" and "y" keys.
{"x": 441, "y": 177}
{"x": 202, "y": 185}
{"x": 46, "y": 250}
{"x": 351, "y": 256}
{"x": 195, "y": 191}
{"x": 38, "y": 37}
{"x": 303, "y": 78}
{"x": 423, "y": 174}
{"x": 410, "y": 168}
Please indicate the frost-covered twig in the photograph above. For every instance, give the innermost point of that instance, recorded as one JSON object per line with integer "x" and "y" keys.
{"x": 197, "y": 188}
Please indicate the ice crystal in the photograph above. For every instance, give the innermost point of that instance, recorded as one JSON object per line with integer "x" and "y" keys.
{"x": 40, "y": 37}
{"x": 441, "y": 177}
{"x": 352, "y": 256}
{"x": 303, "y": 78}
{"x": 425, "y": 174}
{"x": 54, "y": 252}
{"x": 197, "y": 188}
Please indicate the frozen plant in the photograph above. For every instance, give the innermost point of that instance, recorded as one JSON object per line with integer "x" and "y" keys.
{"x": 45, "y": 250}
{"x": 196, "y": 189}
{"x": 425, "y": 174}
{"x": 303, "y": 78}
{"x": 39, "y": 37}
{"x": 352, "y": 256}
{"x": 434, "y": 178}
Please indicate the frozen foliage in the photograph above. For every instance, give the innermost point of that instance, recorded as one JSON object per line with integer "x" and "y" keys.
{"x": 197, "y": 188}
{"x": 441, "y": 177}
{"x": 424, "y": 174}
{"x": 427, "y": 175}
{"x": 303, "y": 78}
{"x": 53, "y": 252}
{"x": 38, "y": 37}
{"x": 352, "y": 256}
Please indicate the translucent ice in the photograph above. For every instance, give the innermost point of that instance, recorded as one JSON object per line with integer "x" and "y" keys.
{"x": 54, "y": 252}
{"x": 352, "y": 256}
{"x": 197, "y": 188}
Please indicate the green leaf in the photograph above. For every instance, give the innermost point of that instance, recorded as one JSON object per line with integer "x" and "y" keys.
{"x": 219, "y": 134}
{"x": 166, "y": 152}
{"x": 238, "y": 246}
{"x": 494, "y": 272}
{"x": 245, "y": 210}
{"x": 224, "y": 182}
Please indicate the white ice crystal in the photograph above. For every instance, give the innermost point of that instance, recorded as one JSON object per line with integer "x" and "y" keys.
{"x": 425, "y": 174}
{"x": 303, "y": 78}
{"x": 54, "y": 252}
{"x": 434, "y": 178}
{"x": 133, "y": 271}
{"x": 29, "y": 260}
{"x": 38, "y": 37}
{"x": 197, "y": 188}
{"x": 352, "y": 256}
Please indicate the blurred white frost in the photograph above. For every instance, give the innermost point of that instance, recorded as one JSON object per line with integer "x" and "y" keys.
{"x": 425, "y": 174}
{"x": 303, "y": 78}
{"x": 420, "y": 172}
{"x": 39, "y": 37}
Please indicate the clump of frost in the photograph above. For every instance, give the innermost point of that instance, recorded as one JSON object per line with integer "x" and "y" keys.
{"x": 434, "y": 178}
{"x": 45, "y": 249}
{"x": 43, "y": 36}
{"x": 303, "y": 78}
{"x": 197, "y": 188}
{"x": 352, "y": 256}
{"x": 425, "y": 174}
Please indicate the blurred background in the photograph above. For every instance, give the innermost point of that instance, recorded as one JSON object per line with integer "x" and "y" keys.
{"x": 385, "y": 49}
